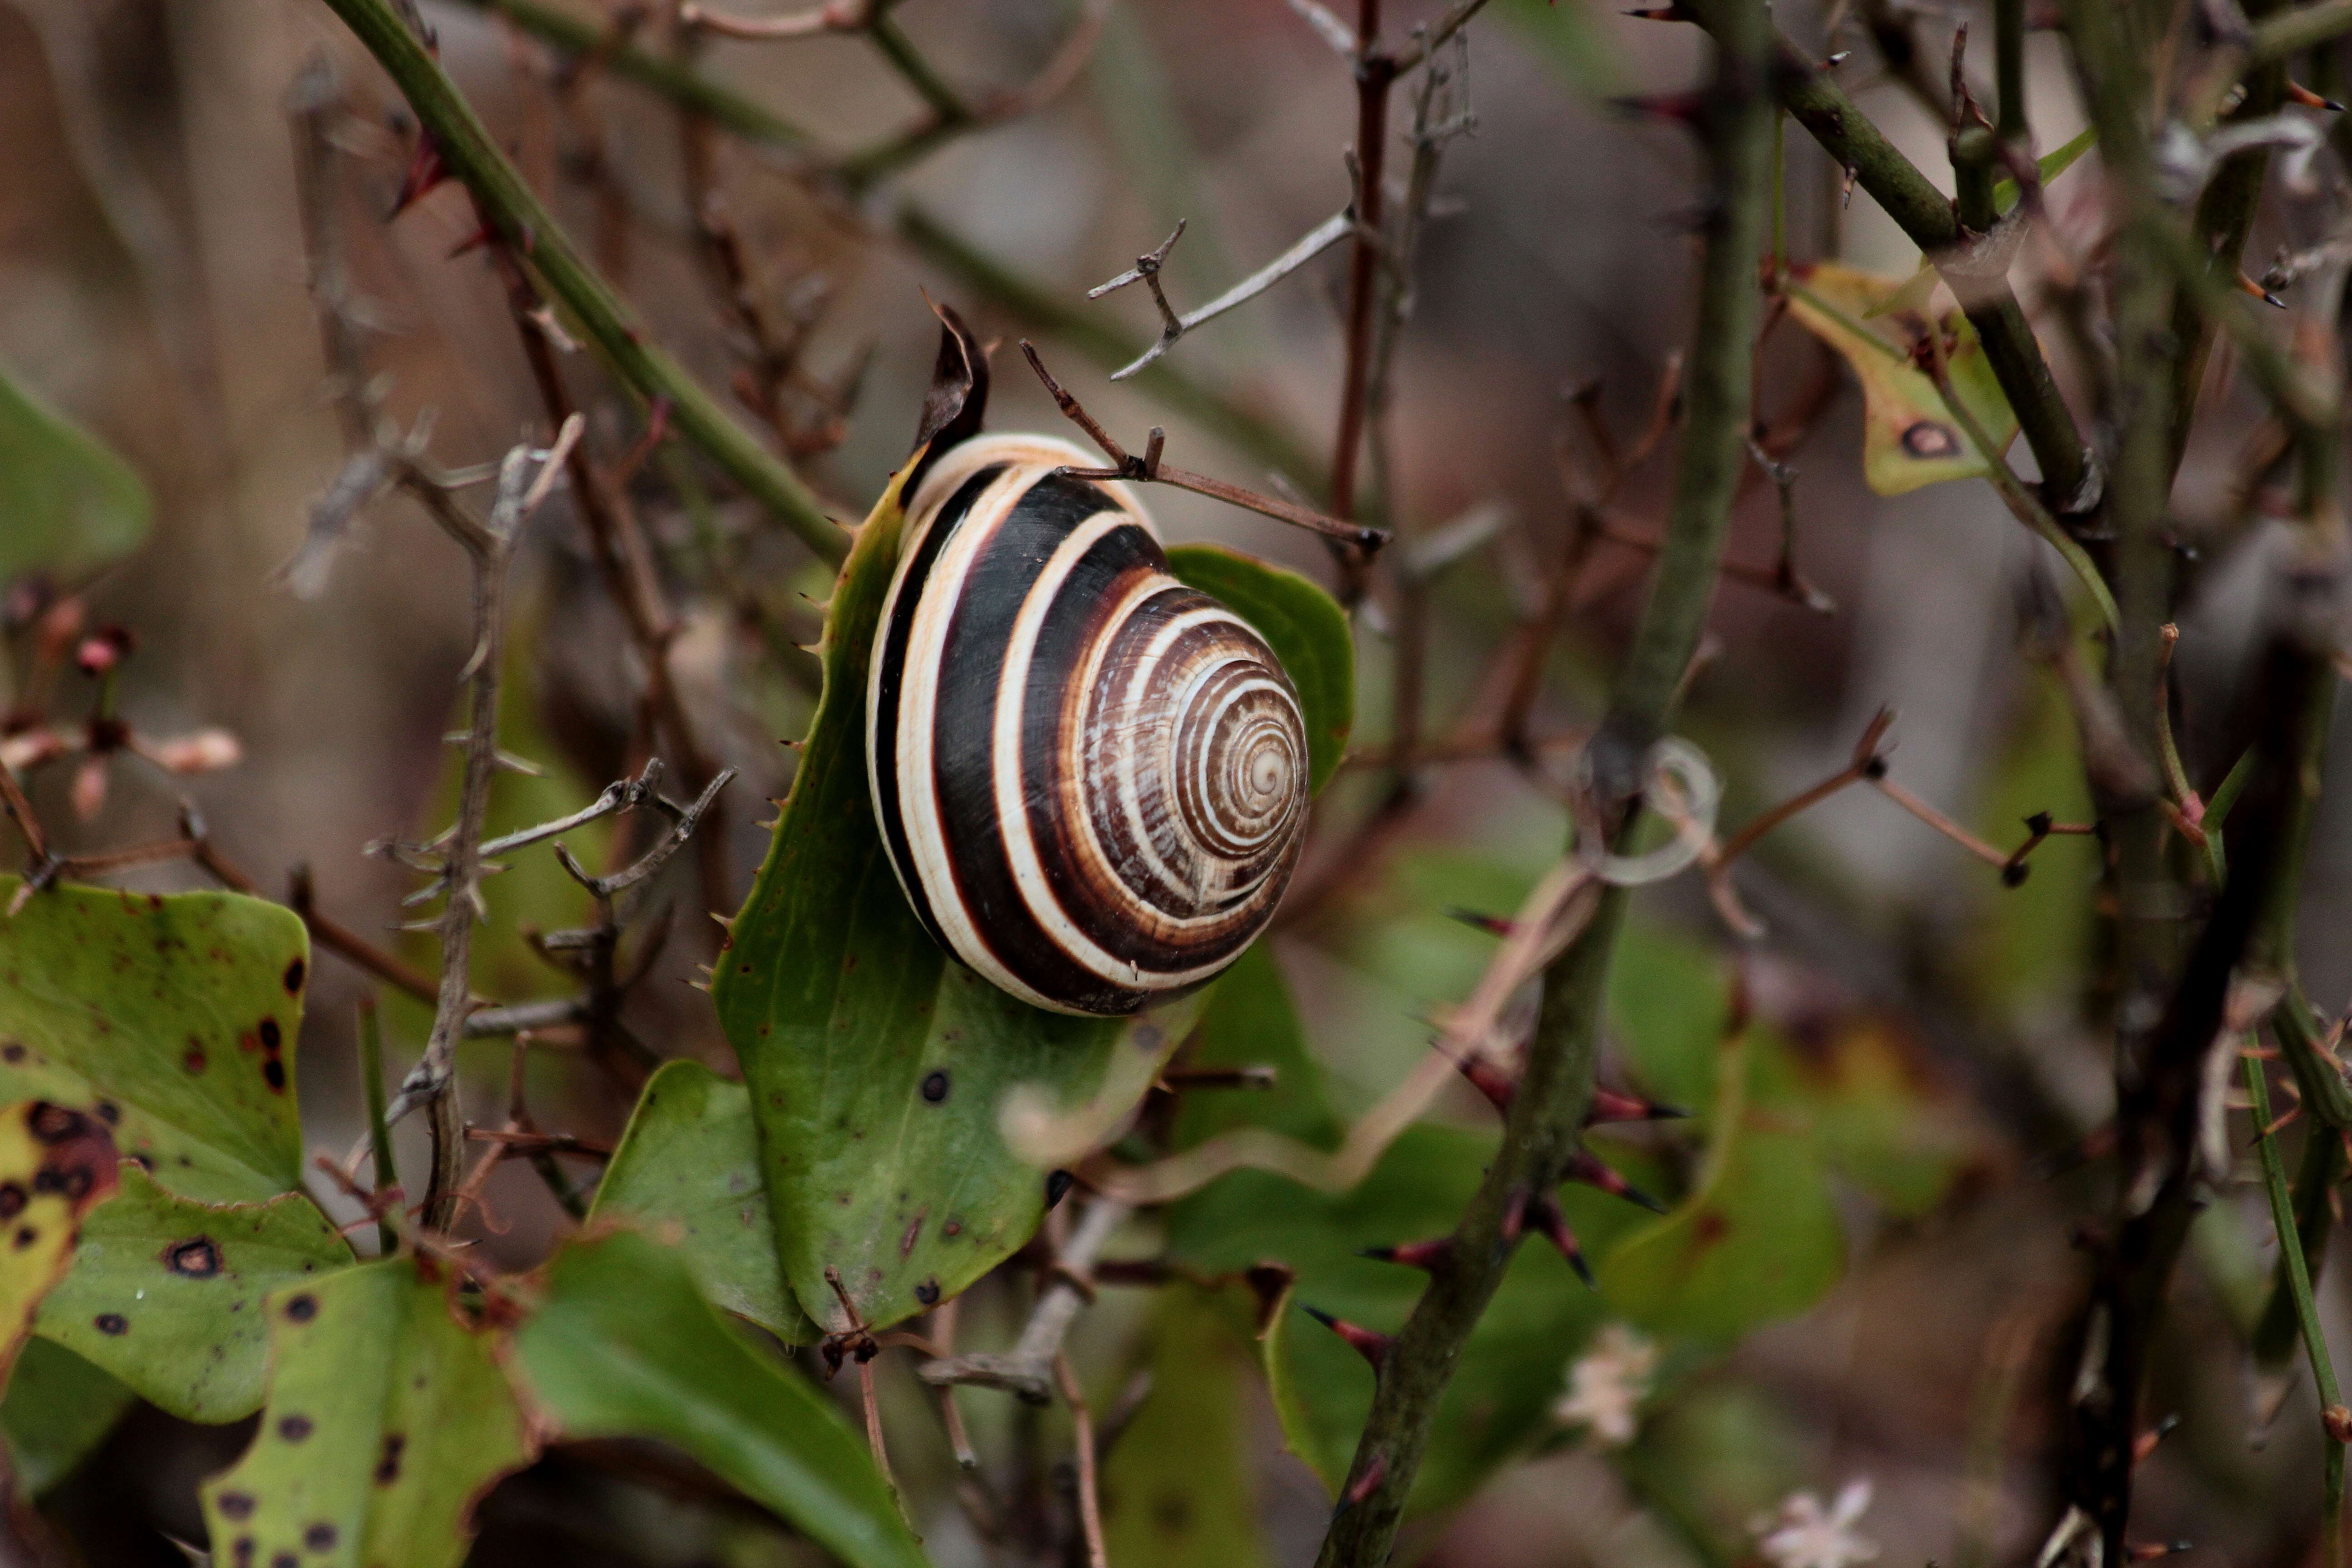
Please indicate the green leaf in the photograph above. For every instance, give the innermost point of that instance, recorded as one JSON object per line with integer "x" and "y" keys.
{"x": 54, "y": 1164}
{"x": 71, "y": 505}
{"x": 172, "y": 1017}
{"x": 688, "y": 1174}
{"x": 1178, "y": 1490}
{"x": 881, "y": 1072}
{"x": 387, "y": 1417}
{"x": 623, "y": 1345}
{"x": 1305, "y": 626}
{"x": 58, "y": 1409}
{"x": 2052, "y": 165}
{"x": 1759, "y": 1238}
{"x": 165, "y": 1293}
{"x": 1909, "y": 437}
{"x": 1512, "y": 1367}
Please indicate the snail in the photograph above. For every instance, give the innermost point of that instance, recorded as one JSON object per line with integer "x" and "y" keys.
{"x": 1091, "y": 778}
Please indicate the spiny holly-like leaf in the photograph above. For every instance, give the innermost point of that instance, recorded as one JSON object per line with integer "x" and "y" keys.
{"x": 171, "y": 1016}
{"x": 166, "y": 1293}
{"x": 879, "y": 1069}
{"x": 688, "y": 1174}
{"x": 623, "y": 1345}
{"x": 55, "y": 1162}
{"x": 1305, "y": 626}
{"x": 58, "y": 1409}
{"x": 1177, "y": 1491}
{"x": 71, "y": 505}
{"x": 387, "y": 1417}
{"x": 1909, "y": 436}
{"x": 1511, "y": 1369}
{"x": 1757, "y": 1239}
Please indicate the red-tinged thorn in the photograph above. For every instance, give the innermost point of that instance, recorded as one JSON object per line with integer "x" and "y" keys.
{"x": 1659, "y": 14}
{"x": 1373, "y": 1347}
{"x": 474, "y": 241}
{"x": 1616, "y": 1105}
{"x": 2248, "y": 287}
{"x": 2144, "y": 1444}
{"x": 1680, "y": 107}
{"x": 1585, "y": 1168}
{"x": 2298, "y": 93}
{"x": 1426, "y": 1255}
{"x": 1493, "y": 925}
{"x": 2149, "y": 1552}
{"x": 1544, "y": 1217}
{"x": 426, "y": 171}
{"x": 1489, "y": 1081}
{"x": 1368, "y": 1483}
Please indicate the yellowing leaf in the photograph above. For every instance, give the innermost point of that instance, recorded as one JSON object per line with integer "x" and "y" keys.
{"x": 55, "y": 1162}
{"x": 1909, "y": 436}
{"x": 387, "y": 1417}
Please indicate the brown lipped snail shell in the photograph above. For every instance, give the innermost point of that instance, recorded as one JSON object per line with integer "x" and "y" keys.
{"x": 1091, "y": 779}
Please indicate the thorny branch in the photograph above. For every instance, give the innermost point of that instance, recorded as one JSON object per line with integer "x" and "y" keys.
{"x": 1548, "y": 1105}
{"x": 1148, "y": 468}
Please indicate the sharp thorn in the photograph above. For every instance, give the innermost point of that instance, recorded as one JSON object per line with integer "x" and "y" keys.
{"x": 1615, "y": 1105}
{"x": 1423, "y": 1255}
{"x": 1544, "y": 1217}
{"x": 1490, "y": 1080}
{"x": 2298, "y": 93}
{"x": 1585, "y": 1168}
{"x": 1493, "y": 925}
{"x": 1373, "y": 1346}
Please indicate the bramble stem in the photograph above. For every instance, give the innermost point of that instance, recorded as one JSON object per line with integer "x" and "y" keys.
{"x": 2306, "y": 1313}
{"x": 1540, "y": 1134}
{"x": 507, "y": 203}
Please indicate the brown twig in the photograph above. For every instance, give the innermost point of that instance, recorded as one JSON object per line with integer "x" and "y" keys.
{"x": 1148, "y": 469}
{"x": 1083, "y": 1439}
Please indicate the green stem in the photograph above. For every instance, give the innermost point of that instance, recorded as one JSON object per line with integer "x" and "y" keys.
{"x": 2009, "y": 73}
{"x": 2306, "y": 1314}
{"x": 1540, "y": 1131}
{"x": 387, "y": 1174}
{"x": 908, "y": 60}
{"x": 507, "y": 203}
{"x": 2275, "y": 1331}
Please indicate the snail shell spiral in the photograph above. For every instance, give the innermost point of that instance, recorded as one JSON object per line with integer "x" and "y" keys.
{"x": 1092, "y": 780}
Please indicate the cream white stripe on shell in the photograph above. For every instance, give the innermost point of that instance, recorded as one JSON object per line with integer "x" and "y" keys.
{"x": 1012, "y": 800}
{"x": 918, "y": 712}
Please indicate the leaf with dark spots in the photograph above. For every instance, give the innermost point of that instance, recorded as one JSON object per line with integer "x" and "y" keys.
{"x": 378, "y": 1353}
{"x": 837, "y": 1059}
{"x": 188, "y": 1276}
{"x": 164, "y": 1052}
{"x": 687, "y": 1172}
{"x": 623, "y": 1345}
{"x": 1909, "y": 438}
{"x": 63, "y": 1162}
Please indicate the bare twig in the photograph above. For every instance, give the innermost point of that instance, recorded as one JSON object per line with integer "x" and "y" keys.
{"x": 1173, "y": 327}
{"x": 1027, "y": 1369}
{"x": 1148, "y": 468}
{"x": 1083, "y": 1437}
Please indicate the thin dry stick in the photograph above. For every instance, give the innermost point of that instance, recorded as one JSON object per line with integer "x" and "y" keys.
{"x": 1083, "y": 1435}
{"x": 1027, "y": 1369}
{"x": 1148, "y": 468}
{"x": 490, "y": 547}
{"x": 1376, "y": 72}
{"x": 1173, "y": 327}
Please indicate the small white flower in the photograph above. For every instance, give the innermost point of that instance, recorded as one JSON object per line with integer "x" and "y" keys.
{"x": 1805, "y": 1536}
{"x": 1607, "y": 1384}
